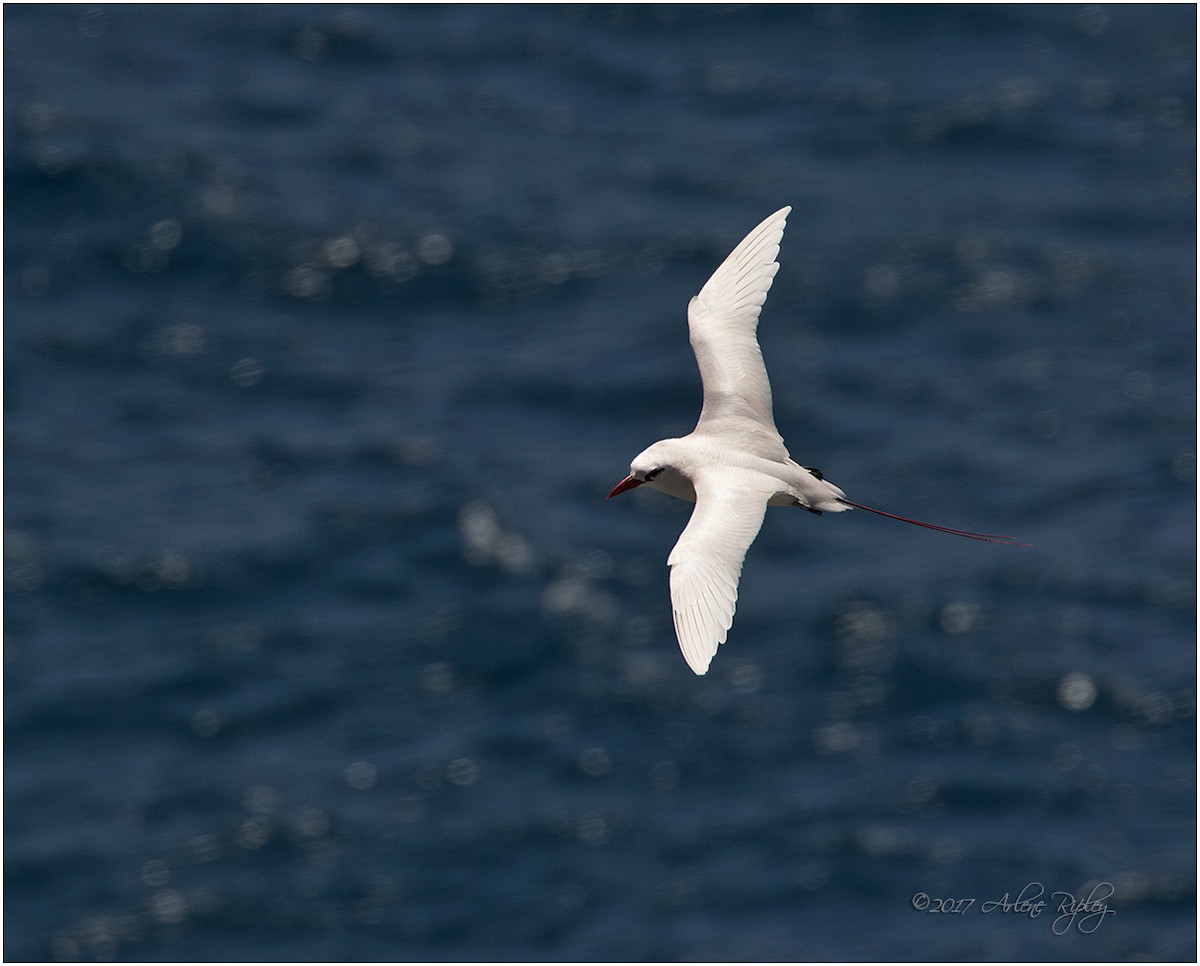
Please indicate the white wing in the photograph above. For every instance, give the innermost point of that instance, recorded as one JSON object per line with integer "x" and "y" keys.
{"x": 723, "y": 322}
{"x": 706, "y": 563}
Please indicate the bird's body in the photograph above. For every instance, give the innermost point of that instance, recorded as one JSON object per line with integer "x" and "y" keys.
{"x": 684, "y": 461}
{"x": 734, "y": 464}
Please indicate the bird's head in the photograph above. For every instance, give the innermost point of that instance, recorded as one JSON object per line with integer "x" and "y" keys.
{"x": 646, "y": 467}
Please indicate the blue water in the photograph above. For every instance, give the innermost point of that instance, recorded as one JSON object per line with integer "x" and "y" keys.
{"x": 328, "y": 329}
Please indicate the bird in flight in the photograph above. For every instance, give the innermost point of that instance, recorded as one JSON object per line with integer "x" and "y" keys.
{"x": 733, "y": 465}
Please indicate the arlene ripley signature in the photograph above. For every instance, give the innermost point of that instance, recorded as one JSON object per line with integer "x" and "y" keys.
{"x": 1084, "y": 915}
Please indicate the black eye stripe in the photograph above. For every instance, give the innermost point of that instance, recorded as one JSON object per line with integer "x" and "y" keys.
{"x": 653, "y": 473}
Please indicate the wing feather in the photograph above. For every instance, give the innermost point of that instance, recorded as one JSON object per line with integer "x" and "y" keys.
{"x": 706, "y": 563}
{"x": 723, "y": 325}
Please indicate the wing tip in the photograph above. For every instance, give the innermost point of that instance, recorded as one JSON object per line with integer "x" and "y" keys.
{"x": 686, "y": 633}
{"x": 781, "y": 216}
{"x": 698, "y": 664}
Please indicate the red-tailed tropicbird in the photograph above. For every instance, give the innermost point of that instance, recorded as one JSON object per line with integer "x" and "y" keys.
{"x": 733, "y": 465}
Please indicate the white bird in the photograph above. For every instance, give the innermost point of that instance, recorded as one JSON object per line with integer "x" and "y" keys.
{"x": 733, "y": 465}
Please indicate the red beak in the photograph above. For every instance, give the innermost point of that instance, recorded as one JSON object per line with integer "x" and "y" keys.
{"x": 626, "y": 484}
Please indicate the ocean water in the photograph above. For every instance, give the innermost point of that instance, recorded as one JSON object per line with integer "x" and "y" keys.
{"x": 326, "y": 332}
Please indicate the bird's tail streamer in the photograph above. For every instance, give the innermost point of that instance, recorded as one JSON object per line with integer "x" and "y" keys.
{"x": 969, "y": 534}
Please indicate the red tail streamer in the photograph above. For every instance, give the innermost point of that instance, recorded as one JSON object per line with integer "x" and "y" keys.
{"x": 969, "y": 534}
